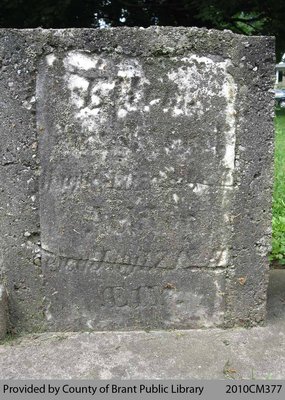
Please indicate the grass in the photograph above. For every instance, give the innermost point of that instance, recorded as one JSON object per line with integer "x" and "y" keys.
{"x": 277, "y": 255}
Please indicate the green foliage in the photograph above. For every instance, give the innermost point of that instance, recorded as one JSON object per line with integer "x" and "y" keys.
{"x": 278, "y": 219}
{"x": 236, "y": 19}
{"x": 250, "y": 23}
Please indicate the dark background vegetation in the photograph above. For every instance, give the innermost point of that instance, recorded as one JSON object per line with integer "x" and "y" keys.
{"x": 250, "y": 17}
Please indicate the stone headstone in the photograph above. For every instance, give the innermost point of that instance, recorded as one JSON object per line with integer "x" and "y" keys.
{"x": 154, "y": 150}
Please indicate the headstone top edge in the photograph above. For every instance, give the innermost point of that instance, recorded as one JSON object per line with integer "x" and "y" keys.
{"x": 157, "y": 29}
{"x": 135, "y": 41}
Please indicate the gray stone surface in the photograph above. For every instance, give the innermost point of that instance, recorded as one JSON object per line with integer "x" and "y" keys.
{"x": 255, "y": 353}
{"x": 3, "y": 312}
{"x": 154, "y": 151}
{"x": 115, "y": 296}
{"x": 19, "y": 173}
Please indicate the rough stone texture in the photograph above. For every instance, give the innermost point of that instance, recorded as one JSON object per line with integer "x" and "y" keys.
{"x": 19, "y": 173}
{"x": 3, "y": 312}
{"x": 155, "y": 164}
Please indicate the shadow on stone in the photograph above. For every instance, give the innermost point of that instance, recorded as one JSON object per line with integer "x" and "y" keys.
{"x": 276, "y": 296}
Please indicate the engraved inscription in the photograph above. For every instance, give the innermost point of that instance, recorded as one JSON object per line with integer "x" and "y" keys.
{"x": 132, "y": 173}
{"x": 143, "y": 296}
{"x": 98, "y": 294}
{"x": 126, "y": 293}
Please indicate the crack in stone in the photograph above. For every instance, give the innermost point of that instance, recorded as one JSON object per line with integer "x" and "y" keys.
{"x": 194, "y": 267}
{"x": 8, "y": 163}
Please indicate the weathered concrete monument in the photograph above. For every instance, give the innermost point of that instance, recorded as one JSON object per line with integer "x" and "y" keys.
{"x": 136, "y": 174}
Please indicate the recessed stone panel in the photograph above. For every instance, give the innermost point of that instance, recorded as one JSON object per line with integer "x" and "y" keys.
{"x": 137, "y": 155}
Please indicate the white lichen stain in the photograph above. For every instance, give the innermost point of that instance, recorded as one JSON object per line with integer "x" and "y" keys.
{"x": 131, "y": 97}
{"x": 78, "y": 87}
{"x": 104, "y": 87}
{"x": 86, "y": 114}
{"x": 121, "y": 180}
{"x": 50, "y": 58}
{"x": 220, "y": 258}
{"x": 102, "y": 66}
{"x": 48, "y": 315}
{"x": 177, "y": 111}
{"x": 200, "y": 188}
{"x": 130, "y": 108}
{"x": 198, "y": 82}
{"x": 193, "y": 92}
{"x": 217, "y": 285}
{"x": 95, "y": 102}
{"x": 89, "y": 324}
{"x": 27, "y": 105}
{"x": 154, "y": 101}
{"x": 194, "y": 85}
{"x": 122, "y": 113}
{"x": 122, "y": 222}
{"x": 162, "y": 174}
{"x": 78, "y": 60}
{"x": 263, "y": 246}
{"x": 229, "y": 91}
{"x": 175, "y": 198}
{"x": 130, "y": 72}
{"x": 104, "y": 154}
{"x": 176, "y": 143}
{"x": 146, "y": 108}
